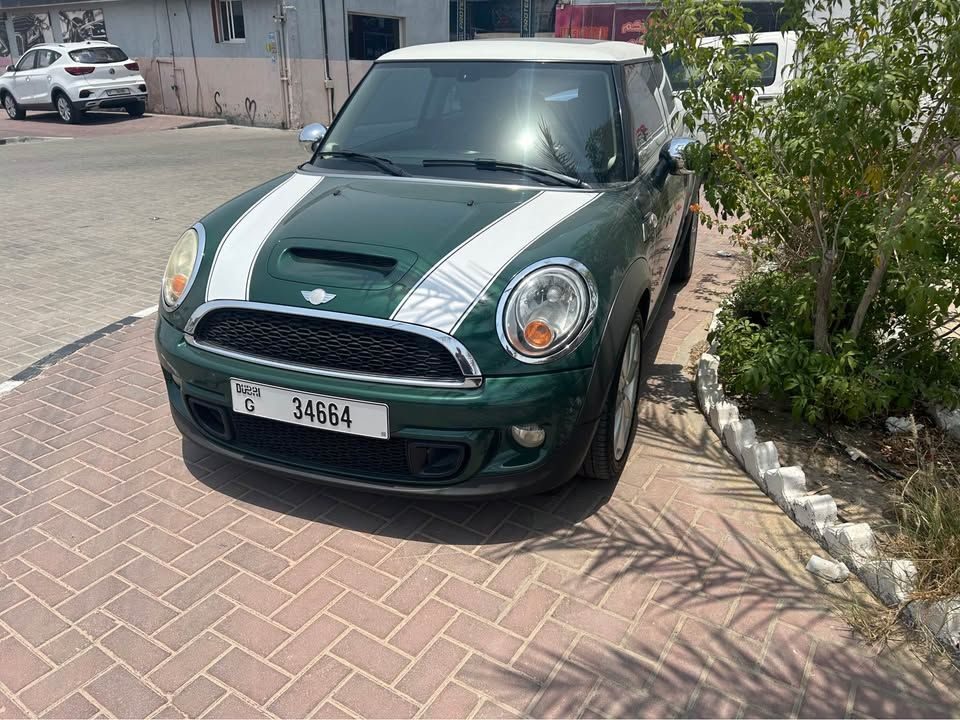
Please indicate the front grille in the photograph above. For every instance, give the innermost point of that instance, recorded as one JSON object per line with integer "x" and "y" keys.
{"x": 327, "y": 344}
{"x": 321, "y": 449}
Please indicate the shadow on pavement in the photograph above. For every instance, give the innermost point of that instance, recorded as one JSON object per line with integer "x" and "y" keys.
{"x": 102, "y": 117}
{"x": 708, "y": 594}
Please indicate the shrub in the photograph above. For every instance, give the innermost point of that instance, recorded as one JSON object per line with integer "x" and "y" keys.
{"x": 847, "y": 185}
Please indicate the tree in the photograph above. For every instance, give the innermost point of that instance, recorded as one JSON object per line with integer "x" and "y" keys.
{"x": 847, "y": 183}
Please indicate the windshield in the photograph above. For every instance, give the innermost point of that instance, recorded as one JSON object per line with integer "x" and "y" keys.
{"x": 561, "y": 117}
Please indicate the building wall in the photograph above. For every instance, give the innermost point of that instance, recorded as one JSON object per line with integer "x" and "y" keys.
{"x": 188, "y": 72}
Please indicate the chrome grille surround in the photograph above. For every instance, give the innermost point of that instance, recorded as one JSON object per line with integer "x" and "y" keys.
{"x": 471, "y": 375}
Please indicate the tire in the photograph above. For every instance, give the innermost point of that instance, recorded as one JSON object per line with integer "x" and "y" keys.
{"x": 14, "y": 111}
{"x": 67, "y": 110}
{"x": 611, "y": 444}
{"x": 137, "y": 109}
{"x": 684, "y": 267}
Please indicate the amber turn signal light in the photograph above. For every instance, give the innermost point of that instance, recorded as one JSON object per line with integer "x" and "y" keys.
{"x": 177, "y": 284}
{"x": 538, "y": 334}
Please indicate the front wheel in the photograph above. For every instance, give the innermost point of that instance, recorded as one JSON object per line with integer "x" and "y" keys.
{"x": 13, "y": 110}
{"x": 611, "y": 444}
{"x": 67, "y": 110}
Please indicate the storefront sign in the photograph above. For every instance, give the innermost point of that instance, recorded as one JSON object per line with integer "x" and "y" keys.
{"x": 526, "y": 19}
{"x": 461, "y": 19}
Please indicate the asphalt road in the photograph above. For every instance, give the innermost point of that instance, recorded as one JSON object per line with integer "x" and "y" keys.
{"x": 87, "y": 224}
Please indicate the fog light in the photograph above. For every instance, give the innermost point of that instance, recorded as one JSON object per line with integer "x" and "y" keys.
{"x": 529, "y": 436}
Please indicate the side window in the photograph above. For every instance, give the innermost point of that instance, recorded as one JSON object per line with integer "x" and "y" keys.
{"x": 669, "y": 103}
{"x": 648, "y": 130}
{"x": 27, "y": 61}
{"x": 45, "y": 58}
{"x": 765, "y": 57}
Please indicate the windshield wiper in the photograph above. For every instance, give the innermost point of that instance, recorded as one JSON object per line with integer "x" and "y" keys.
{"x": 383, "y": 163}
{"x": 491, "y": 164}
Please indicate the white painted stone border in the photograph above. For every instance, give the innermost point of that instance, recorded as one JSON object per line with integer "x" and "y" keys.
{"x": 891, "y": 580}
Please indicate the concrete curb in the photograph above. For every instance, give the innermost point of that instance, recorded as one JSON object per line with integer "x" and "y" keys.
{"x": 211, "y": 122}
{"x": 35, "y": 368}
{"x": 892, "y": 580}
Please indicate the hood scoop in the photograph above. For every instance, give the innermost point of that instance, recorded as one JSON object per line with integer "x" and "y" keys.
{"x": 332, "y": 263}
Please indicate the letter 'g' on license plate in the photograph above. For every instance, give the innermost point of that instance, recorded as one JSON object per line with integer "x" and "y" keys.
{"x": 325, "y": 412}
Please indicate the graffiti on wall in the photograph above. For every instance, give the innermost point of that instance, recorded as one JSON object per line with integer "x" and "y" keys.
{"x": 5, "y": 58}
{"x": 251, "y": 108}
{"x": 80, "y": 25}
{"x": 30, "y": 30}
{"x": 249, "y": 111}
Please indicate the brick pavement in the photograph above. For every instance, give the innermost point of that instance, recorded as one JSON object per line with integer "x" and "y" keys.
{"x": 144, "y": 577}
{"x": 88, "y": 224}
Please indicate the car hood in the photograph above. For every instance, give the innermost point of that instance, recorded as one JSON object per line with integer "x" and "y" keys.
{"x": 417, "y": 251}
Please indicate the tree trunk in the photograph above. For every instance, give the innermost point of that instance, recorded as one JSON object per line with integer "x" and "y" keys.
{"x": 821, "y": 311}
{"x": 873, "y": 287}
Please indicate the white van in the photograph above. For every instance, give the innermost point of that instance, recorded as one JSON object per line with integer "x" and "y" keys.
{"x": 776, "y": 71}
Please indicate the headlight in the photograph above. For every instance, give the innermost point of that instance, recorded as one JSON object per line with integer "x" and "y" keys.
{"x": 180, "y": 268}
{"x": 546, "y": 310}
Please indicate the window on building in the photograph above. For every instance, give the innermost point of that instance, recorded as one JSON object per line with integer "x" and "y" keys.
{"x": 371, "y": 36}
{"x": 228, "y": 21}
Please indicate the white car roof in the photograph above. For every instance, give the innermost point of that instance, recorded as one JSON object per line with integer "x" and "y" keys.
{"x": 537, "y": 50}
{"x": 72, "y": 46}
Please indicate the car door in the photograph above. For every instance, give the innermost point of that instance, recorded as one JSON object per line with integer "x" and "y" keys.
{"x": 42, "y": 81}
{"x": 654, "y": 193}
{"x": 22, "y": 87}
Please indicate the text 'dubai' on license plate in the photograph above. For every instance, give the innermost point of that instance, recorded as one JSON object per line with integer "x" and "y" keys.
{"x": 319, "y": 411}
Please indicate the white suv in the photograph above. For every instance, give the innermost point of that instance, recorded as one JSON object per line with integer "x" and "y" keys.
{"x": 72, "y": 78}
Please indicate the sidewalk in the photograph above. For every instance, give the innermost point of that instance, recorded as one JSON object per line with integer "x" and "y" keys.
{"x": 144, "y": 577}
{"x": 96, "y": 124}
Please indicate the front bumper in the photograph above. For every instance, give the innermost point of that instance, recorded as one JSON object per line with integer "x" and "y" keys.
{"x": 477, "y": 419}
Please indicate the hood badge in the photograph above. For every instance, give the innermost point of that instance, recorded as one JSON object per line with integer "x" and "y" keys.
{"x": 317, "y": 297}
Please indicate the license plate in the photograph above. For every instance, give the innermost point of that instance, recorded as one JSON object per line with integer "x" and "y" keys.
{"x": 318, "y": 411}
{"x": 119, "y": 91}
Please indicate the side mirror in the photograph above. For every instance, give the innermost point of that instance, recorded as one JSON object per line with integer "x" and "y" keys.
{"x": 11, "y": 68}
{"x": 676, "y": 151}
{"x": 311, "y": 135}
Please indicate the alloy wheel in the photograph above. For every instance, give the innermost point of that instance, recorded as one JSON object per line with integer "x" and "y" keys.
{"x": 63, "y": 107}
{"x": 10, "y": 106}
{"x": 627, "y": 386}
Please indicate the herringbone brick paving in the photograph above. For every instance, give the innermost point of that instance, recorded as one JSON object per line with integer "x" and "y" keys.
{"x": 142, "y": 576}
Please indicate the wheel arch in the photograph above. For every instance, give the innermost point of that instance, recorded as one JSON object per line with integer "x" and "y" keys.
{"x": 633, "y": 294}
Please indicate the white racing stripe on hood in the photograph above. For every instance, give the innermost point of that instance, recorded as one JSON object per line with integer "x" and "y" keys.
{"x": 450, "y": 289}
{"x": 233, "y": 264}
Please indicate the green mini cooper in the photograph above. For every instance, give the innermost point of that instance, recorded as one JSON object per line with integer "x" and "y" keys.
{"x": 449, "y": 298}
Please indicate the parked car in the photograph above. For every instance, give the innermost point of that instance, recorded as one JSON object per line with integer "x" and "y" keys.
{"x": 72, "y": 78}
{"x": 776, "y": 69}
{"x": 450, "y": 297}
